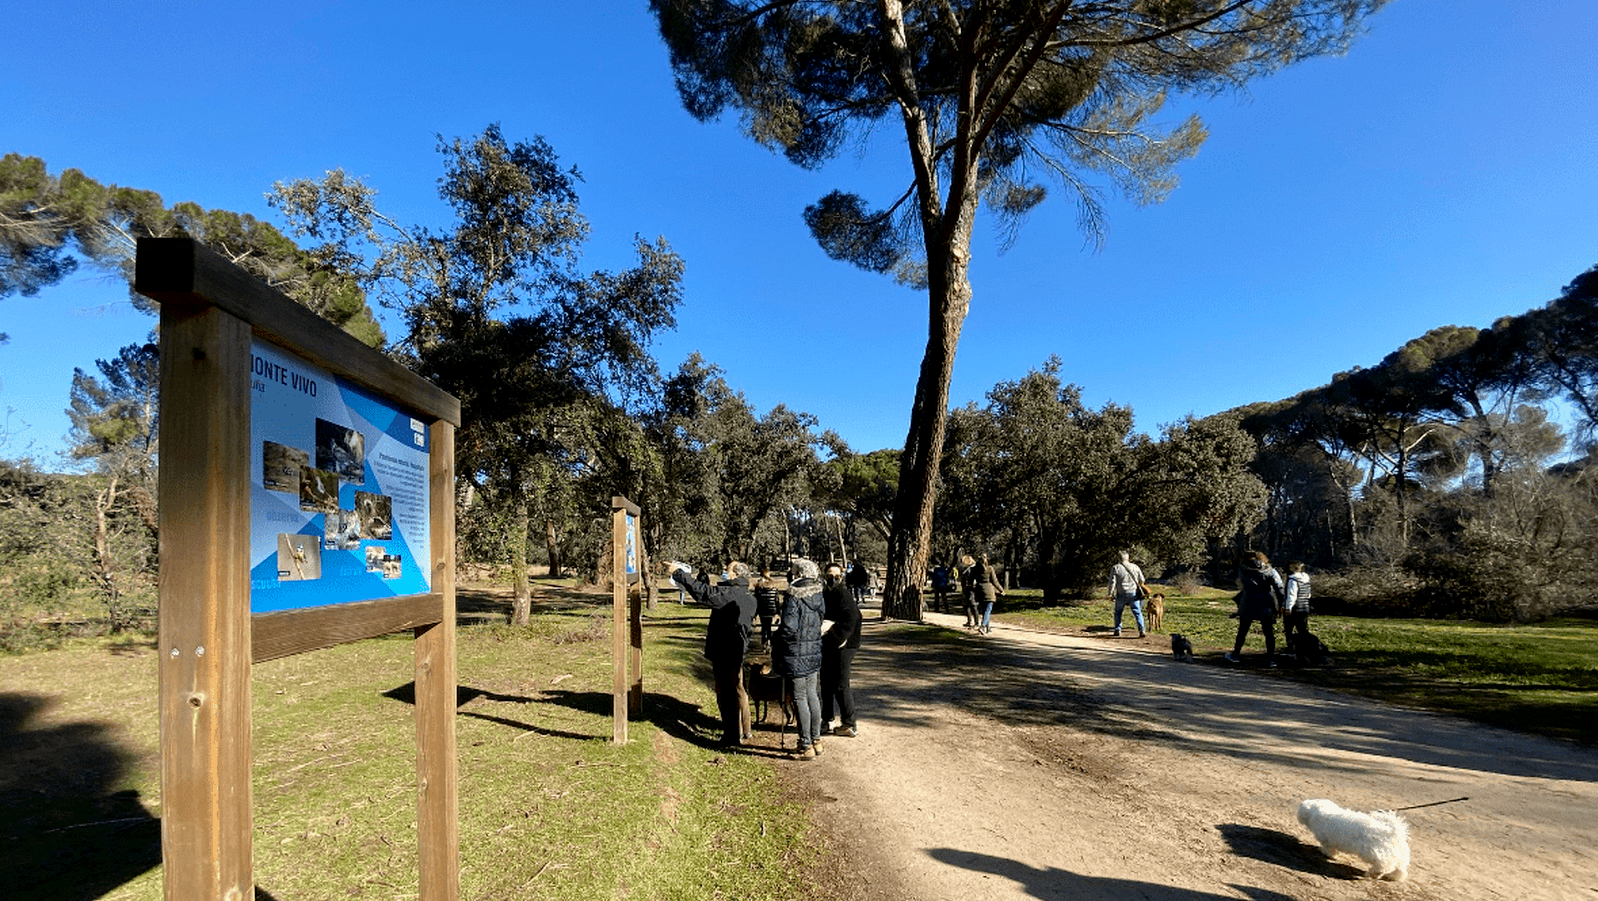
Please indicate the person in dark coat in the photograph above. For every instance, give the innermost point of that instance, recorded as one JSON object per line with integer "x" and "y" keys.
{"x": 1262, "y": 595}
{"x": 732, "y": 616}
{"x": 797, "y": 652}
{"x": 940, "y": 588}
{"x": 838, "y": 646}
{"x": 859, "y": 581}
{"x": 768, "y": 600}
{"x": 968, "y": 590}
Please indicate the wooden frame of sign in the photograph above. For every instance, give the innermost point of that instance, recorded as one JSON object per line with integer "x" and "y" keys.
{"x": 629, "y": 563}
{"x": 211, "y": 313}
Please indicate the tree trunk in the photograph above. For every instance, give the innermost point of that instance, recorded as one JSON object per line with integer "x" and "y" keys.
{"x": 104, "y": 562}
{"x": 522, "y": 606}
{"x": 908, "y": 546}
{"x": 552, "y": 548}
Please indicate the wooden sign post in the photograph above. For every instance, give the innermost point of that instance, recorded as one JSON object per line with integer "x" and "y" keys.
{"x": 239, "y": 585}
{"x": 627, "y": 628}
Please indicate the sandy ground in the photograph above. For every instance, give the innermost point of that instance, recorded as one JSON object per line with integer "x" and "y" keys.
{"x": 1032, "y": 765}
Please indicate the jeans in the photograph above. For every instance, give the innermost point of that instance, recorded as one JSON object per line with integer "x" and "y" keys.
{"x": 987, "y": 613}
{"x": 807, "y": 702}
{"x": 836, "y": 694}
{"x": 1121, "y": 601}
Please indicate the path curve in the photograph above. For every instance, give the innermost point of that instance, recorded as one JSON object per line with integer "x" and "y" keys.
{"x": 1028, "y": 764}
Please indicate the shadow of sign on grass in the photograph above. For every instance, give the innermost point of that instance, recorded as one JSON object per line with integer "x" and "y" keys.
{"x": 680, "y": 719}
{"x": 71, "y": 832}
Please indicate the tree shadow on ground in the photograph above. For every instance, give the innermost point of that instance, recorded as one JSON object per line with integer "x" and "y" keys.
{"x": 1023, "y": 680}
{"x": 71, "y": 832}
{"x": 1057, "y": 883}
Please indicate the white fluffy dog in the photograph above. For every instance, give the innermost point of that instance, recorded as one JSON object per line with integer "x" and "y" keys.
{"x": 1380, "y": 838}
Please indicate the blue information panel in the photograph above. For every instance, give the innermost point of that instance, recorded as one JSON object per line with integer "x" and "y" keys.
{"x": 632, "y": 545}
{"x": 339, "y": 489}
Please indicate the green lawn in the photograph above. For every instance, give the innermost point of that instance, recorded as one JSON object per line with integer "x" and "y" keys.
{"x": 550, "y": 808}
{"x": 1539, "y": 678}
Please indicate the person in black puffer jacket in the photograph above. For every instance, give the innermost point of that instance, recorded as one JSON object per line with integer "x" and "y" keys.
{"x": 838, "y": 647}
{"x": 1262, "y": 596}
{"x": 768, "y": 600}
{"x": 797, "y": 653}
{"x": 732, "y": 616}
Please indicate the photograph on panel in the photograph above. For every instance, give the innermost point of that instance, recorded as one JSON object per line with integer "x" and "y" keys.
{"x": 298, "y": 557}
{"x": 376, "y": 512}
{"x": 281, "y": 466}
{"x": 342, "y": 450}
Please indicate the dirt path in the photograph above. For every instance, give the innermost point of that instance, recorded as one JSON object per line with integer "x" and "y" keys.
{"x": 1031, "y": 765}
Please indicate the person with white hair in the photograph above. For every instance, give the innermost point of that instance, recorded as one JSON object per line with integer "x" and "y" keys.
{"x": 732, "y": 617}
{"x": 1126, "y": 578}
{"x": 797, "y": 652}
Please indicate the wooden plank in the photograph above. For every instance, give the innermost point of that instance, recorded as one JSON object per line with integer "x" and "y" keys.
{"x": 204, "y": 694}
{"x": 618, "y": 620}
{"x": 437, "y": 793}
{"x": 635, "y": 652}
{"x": 184, "y": 272}
{"x": 287, "y": 632}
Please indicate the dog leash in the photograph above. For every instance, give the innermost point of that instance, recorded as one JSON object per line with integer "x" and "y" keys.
{"x": 1432, "y": 804}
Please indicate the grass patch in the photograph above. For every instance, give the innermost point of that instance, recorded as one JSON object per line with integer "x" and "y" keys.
{"x": 549, "y": 807}
{"x": 1540, "y": 678}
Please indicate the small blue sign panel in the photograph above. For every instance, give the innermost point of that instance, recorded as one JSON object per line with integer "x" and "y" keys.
{"x": 338, "y": 489}
{"x": 632, "y": 545}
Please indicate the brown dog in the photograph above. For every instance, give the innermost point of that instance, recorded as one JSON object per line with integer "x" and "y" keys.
{"x": 1154, "y": 612}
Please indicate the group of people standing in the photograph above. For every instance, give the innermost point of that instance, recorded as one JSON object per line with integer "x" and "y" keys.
{"x": 1266, "y": 595}
{"x": 979, "y": 586}
{"x": 813, "y": 645}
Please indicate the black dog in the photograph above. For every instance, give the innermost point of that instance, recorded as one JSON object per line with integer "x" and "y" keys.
{"x": 1181, "y": 648}
{"x": 764, "y": 686}
{"x": 1312, "y": 651}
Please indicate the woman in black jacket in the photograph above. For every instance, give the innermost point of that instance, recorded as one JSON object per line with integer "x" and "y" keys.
{"x": 838, "y": 646}
{"x": 1262, "y": 595}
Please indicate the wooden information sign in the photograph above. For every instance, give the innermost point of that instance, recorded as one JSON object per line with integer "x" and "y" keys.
{"x": 306, "y": 499}
{"x": 627, "y": 627}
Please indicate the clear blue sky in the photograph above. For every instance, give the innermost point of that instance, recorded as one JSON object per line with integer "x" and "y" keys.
{"x": 1444, "y": 172}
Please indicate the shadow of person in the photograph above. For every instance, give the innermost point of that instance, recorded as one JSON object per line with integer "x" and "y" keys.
{"x": 1283, "y": 850}
{"x": 72, "y": 834}
{"x": 1054, "y": 882}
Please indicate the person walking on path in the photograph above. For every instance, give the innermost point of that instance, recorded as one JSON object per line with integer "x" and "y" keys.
{"x": 767, "y": 601}
{"x": 1295, "y": 611}
{"x": 859, "y": 581}
{"x": 732, "y": 615}
{"x": 988, "y": 591}
{"x": 1262, "y": 597}
{"x": 968, "y": 589}
{"x": 1126, "y": 580}
{"x": 940, "y": 588}
{"x": 838, "y": 646}
{"x": 797, "y": 654}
